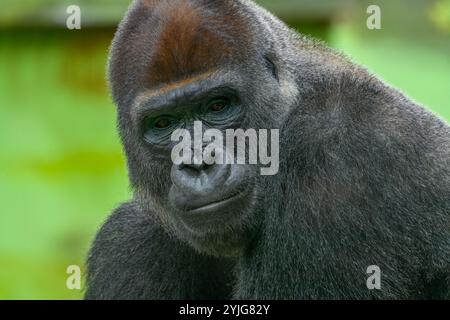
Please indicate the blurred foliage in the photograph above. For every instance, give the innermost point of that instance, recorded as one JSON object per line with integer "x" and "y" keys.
{"x": 53, "y": 12}
{"x": 108, "y": 12}
{"x": 62, "y": 166}
{"x": 440, "y": 15}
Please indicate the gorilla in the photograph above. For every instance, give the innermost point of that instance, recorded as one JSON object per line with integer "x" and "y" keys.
{"x": 364, "y": 176}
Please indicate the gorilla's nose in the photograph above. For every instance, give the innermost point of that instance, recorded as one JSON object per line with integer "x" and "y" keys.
{"x": 199, "y": 180}
{"x": 194, "y": 167}
{"x": 207, "y": 181}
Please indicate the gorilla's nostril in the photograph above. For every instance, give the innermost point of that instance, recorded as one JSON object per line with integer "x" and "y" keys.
{"x": 200, "y": 179}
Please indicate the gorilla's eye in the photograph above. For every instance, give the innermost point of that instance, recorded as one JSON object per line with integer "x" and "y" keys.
{"x": 158, "y": 130}
{"x": 162, "y": 123}
{"x": 221, "y": 110}
{"x": 218, "y": 105}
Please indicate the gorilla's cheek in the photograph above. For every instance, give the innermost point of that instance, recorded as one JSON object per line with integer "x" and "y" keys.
{"x": 211, "y": 198}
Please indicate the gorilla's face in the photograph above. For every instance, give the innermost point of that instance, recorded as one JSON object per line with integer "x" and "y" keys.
{"x": 207, "y": 195}
{"x": 211, "y": 205}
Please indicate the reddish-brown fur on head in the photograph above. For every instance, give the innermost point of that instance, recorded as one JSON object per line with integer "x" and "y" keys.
{"x": 195, "y": 36}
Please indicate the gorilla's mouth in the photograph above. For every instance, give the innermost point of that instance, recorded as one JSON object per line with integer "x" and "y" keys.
{"x": 209, "y": 196}
{"x": 215, "y": 205}
{"x": 217, "y": 213}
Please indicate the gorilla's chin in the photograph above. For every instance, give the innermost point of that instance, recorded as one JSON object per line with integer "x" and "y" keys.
{"x": 219, "y": 225}
{"x": 211, "y": 198}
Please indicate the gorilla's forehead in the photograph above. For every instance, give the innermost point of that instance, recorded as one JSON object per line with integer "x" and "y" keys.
{"x": 177, "y": 84}
{"x": 192, "y": 37}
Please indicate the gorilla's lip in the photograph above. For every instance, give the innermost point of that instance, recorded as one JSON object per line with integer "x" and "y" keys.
{"x": 215, "y": 205}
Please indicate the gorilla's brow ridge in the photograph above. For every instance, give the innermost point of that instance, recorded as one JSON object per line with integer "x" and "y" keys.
{"x": 166, "y": 89}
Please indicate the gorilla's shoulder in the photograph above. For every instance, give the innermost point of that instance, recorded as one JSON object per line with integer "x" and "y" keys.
{"x": 348, "y": 121}
{"x": 128, "y": 220}
{"x": 127, "y": 230}
{"x": 350, "y": 102}
{"x": 122, "y": 248}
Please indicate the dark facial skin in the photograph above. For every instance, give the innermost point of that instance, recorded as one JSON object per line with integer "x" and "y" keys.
{"x": 202, "y": 197}
{"x": 210, "y": 206}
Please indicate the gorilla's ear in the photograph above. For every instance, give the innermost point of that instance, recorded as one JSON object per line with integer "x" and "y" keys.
{"x": 181, "y": 38}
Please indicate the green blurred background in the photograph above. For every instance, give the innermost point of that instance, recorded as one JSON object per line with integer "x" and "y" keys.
{"x": 62, "y": 169}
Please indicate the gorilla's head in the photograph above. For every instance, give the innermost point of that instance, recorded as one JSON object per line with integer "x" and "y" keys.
{"x": 179, "y": 61}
